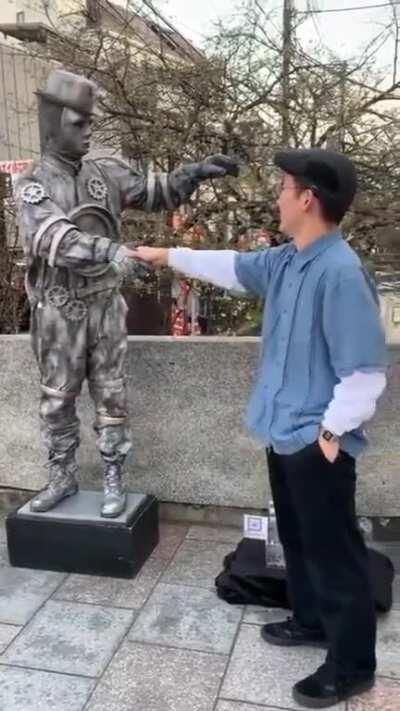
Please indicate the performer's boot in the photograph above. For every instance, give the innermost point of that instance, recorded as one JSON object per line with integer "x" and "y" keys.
{"x": 62, "y": 483}
{"x": 114, "y": 501}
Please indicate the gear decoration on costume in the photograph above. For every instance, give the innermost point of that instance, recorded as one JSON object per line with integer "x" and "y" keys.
{"x": 97, "y": 188}
{"x": 58, "y": 296}
{"x": 33, "y": 193}
{"x": 75, "y": 310}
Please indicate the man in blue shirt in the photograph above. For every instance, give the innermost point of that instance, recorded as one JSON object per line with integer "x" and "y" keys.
{"x": 322, "y": 368}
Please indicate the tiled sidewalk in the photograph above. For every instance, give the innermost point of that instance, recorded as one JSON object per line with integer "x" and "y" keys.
{"x": 161, "y": 642}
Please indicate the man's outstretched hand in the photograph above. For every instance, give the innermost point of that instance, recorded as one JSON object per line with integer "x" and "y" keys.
{"x": 154, "y": 256}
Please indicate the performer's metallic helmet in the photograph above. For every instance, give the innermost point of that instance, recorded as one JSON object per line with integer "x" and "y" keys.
{"x": 71, "y": 91}
{"x": 63, "y": 92}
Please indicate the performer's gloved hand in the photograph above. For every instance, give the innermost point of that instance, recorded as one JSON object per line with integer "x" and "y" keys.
{"x": 125, "y": 263}
{"x": 216, "y": 166}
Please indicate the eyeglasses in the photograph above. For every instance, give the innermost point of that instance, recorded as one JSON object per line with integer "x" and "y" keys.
{"x": 280, "y": 188}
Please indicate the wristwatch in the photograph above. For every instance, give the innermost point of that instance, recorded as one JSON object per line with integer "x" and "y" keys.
{"x": 329, "y": 436}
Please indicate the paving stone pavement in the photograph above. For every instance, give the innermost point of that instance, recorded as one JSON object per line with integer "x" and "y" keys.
{"x": 160, "y": 642}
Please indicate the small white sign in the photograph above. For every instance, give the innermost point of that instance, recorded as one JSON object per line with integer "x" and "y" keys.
{"x": 255, "y": 527}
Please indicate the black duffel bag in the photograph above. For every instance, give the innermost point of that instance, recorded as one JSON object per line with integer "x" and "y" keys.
{"x": 245, "y": 579}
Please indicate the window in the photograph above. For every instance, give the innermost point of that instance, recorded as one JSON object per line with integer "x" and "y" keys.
{"x": 20, "y": 18}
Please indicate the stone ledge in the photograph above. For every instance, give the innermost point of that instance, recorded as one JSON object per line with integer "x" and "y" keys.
{"x": 187, "y": 399}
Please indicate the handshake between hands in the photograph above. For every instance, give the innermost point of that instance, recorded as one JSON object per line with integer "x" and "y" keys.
{"x": 132, "y": 261}
{"x": 155, "y": 257}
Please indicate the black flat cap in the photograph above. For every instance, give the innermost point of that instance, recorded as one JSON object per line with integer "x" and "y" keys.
{"x": 331, "y": 176}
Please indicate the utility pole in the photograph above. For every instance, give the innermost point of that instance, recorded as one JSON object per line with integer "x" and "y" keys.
{"x": 287, "y": 46}
{"x": 336, "y": 140}
{"x": 343, "y": 77}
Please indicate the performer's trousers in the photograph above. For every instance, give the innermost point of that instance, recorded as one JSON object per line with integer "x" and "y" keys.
{"x": 326, "y": 557}
{"x": 67, "y": 353}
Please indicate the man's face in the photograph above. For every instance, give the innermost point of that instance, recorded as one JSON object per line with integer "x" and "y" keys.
{"x": 293, "y": 204}
{"x": 76, "y": 131}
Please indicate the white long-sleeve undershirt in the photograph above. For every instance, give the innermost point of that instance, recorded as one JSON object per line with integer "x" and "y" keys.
{"x": 215, "y": 266}
{"x": 354, "y": 401}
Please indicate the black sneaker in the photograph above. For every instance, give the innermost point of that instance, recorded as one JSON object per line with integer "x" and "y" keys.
{"x": 323, "y": 689}
{"x": 291, "y": 633}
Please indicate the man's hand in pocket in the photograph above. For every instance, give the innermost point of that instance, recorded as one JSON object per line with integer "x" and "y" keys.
{"x": 330, "y": 450}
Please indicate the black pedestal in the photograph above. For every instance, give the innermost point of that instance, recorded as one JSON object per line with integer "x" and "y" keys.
{"x": 73, "y": 538}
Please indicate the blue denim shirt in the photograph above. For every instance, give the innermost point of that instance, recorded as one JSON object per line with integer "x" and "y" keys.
{"x": 321, "y": 323}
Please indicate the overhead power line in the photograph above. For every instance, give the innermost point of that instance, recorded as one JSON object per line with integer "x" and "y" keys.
{"x": 348, "y": 9}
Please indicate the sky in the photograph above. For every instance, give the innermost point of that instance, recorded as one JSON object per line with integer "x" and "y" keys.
{"x": 344, "y": 32}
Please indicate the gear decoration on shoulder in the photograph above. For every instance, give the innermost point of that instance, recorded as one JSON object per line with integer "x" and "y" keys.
{"x": 75, "y": 310}
{"x": 33, "y": 193}
{"x": 57, "y": 296}
{"x": 97, "y": 188}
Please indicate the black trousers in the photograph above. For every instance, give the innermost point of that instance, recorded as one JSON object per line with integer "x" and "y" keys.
{"x": 326, "y": 557}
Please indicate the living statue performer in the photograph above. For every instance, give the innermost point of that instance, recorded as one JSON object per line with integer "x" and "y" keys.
{"x": 69, "y": 211}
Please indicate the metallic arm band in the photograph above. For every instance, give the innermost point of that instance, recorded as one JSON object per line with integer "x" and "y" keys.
{"x": 163, "y": 178}
{"x": 46, "y": 224}
{"x": 57, "y": 239}
{"x": 151, "y": 185}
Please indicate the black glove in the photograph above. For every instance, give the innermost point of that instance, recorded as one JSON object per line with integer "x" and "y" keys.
{"x": 216, "y": 166}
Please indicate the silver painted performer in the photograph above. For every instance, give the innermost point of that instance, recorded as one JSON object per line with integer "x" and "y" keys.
{"x": 69, "y": 213}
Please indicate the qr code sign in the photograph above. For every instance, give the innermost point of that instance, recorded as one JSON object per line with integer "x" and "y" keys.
{"x": 255, "y": 527}
{"x": 255, "y": 524}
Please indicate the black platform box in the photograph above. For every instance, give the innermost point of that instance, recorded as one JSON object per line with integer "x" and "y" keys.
{"x": 73, "y": 538}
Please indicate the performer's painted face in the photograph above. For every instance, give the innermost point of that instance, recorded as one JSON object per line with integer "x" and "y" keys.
{"x": 75, "y": 134}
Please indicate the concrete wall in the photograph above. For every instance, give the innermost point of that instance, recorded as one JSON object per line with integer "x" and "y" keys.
{"x": 187, "y": 399}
